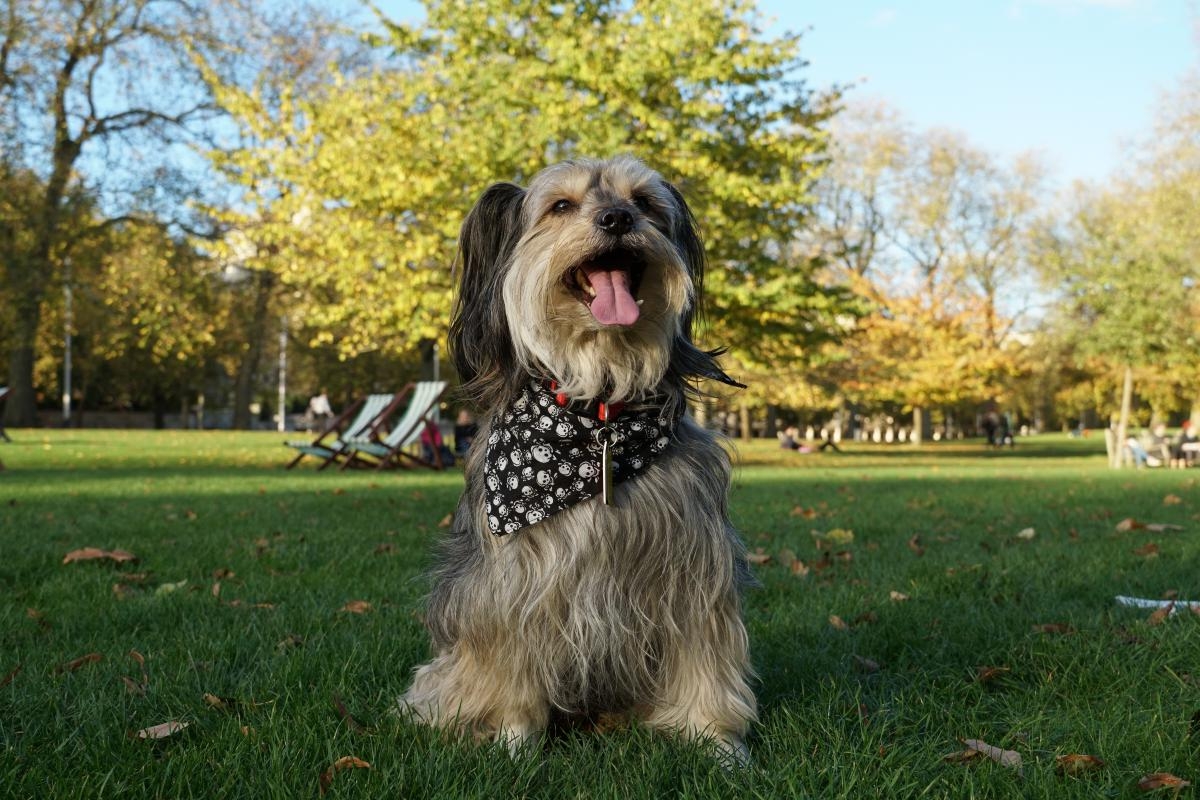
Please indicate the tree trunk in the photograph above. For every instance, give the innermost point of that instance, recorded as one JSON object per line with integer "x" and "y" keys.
{"x": 20, "y": 409}
{"x": 1118, "y": 454}
{"x": 256, "y": 330}
{"x": 744, "y": 411}
{"x": 918, "y": 431}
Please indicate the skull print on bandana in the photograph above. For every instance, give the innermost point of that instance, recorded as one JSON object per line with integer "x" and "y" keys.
{"x": 544, "y": 456}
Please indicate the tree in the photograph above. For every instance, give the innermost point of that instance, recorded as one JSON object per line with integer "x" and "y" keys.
{"x": 76, "y": 83}
{"x": 930, "y": 233}
{"x": 359, "y": 188}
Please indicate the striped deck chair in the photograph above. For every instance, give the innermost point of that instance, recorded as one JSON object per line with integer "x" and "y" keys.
{"x": 390, "y": 451}
{"x": 369, "y": 414}
{"x": 3, "y": 394}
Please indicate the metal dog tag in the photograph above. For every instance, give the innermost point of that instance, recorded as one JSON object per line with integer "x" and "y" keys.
{"x": 604, "y": 437}
{"x": 606, "y": 481}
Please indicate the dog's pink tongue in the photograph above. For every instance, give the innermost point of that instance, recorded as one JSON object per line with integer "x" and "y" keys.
{"x": 613, "y": 303}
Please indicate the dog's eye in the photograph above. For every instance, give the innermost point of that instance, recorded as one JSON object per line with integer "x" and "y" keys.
{"x": 562, "y": 206}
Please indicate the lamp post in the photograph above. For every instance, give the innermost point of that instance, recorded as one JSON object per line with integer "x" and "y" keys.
{"x": 283, "y": 341}
{"x": 67, "y": 322}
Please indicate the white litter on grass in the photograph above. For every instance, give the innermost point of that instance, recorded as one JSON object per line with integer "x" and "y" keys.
{"x": 1142, "y": 602}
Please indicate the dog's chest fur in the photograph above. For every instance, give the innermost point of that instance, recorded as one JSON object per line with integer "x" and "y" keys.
{"x": 601, "y": 590}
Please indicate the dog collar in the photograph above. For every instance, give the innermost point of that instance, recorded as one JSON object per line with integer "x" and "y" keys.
{"x": 545, "y": 452}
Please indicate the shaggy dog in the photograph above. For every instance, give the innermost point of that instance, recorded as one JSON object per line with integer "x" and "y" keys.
{"x": 591, "y": 566}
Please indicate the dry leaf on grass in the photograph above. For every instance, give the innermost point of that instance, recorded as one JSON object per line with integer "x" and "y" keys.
{"x": 1159, "y": 616}
{"x": 12, "y": 673}
{"x": 1077, "y": 764}
{"x": 133, "y": 687}
{"x": 758, "y": 557}
{"x": 95, "y": 554}
{"x": 838, "y": 623}
{"x": 446, "y": 521}
{"x": 1026, "y": 534}
{"x": 1060, "y": 628}
{"x": 897, "y": 597}
{"x": 1148, "y": 550}
{"x": 357, "y": 607}
{"x": 1131, "y": 524}
{"x": 799, "y": 569}
{"x": 161, "y": 731}
{"x": 292, "y": 641}
{"x": 346, "y": 716}
{"x": 38, "y": 617}
{"x": 1172, "y": 500}
{"x": 986, "y": 675}
{"x": 345, "y": 762}
{"x": 978, "y": 749}
{"x": 914, "y": 544}
{"x": 74, "y": 664}
{"x": 866, "y": 665}
{"x": 1161, "y": 780}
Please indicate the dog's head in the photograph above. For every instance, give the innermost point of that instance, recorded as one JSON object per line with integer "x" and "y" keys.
{"x": 591, "y": 277}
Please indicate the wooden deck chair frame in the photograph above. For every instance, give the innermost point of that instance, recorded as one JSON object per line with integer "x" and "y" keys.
{"x": 359, "y": 422}
{"x": 390, "y": 450}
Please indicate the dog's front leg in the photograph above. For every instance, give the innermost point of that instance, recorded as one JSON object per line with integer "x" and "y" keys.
{"x": 480, "y": 694}
{"x": 705, "y": 693}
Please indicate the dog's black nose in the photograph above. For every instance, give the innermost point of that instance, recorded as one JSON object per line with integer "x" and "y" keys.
{"x": 615, "y": 220}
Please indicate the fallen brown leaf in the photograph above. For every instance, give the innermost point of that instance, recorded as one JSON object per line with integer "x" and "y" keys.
{"x": 1077, "y": 764}
{"x": 897, "y": 597}
{"x": 345, "y": 762}
{"x": 292, "y": 641}
{"x": 1161, "y": 780}
{"x": 71, "y": 666}
{"x": 914, "y": 544}
{"x": 758, "y": 557}
{"x": 38, "y": 617}
{"x": 1060, "y": 628}
{"x": 222, "y": 573}
{"x": 162, "y": 730}
{"x": 1005, "y": 758}
{"x": 386, "y": 547}
{"x": 866, "y": 665}
{"x": 1148, "y": 550}
{"x": 446, "y": 521}
{"x": 799, "y": 569}
{"x": 132, "y": 686}
{"x": 95, "y": 553}
{"x": 1162, "y": 527}
{"x": 1172, "y": 500}
{"x": 838, "y": 623}
{"x": 357, "y": 607}
{"x": 986, "y": 675}
{"x": 12, "y": 673}
{"x": 1128, "y": 524}
{"x": 801, "y": 511}
{"x": 1160, "y": 615}
{"x": 346, "y": 716}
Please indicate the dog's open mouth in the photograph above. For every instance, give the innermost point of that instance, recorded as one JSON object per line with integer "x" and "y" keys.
{"x": 608, "y": 284}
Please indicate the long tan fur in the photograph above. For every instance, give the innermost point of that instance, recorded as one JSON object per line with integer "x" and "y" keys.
{"x": 632, "y": 607}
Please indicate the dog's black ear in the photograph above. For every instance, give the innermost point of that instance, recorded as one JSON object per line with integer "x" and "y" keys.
{"x": 689, "y": 361}
{"x": 480, "y": 345}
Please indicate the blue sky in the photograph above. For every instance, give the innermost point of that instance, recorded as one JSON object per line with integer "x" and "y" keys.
{"x": 1070, "y": 79}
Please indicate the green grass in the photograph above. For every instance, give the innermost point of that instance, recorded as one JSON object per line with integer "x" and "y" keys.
{"x": 190, "y": 504}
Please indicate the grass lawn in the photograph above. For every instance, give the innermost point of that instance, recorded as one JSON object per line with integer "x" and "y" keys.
{"x": 868, "y": 664}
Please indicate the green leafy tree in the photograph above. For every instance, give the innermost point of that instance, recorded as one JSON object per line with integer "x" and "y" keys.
{"x": 356, "y": 192}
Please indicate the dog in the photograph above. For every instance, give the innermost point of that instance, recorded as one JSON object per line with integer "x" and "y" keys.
{"x": 591, "y": 566}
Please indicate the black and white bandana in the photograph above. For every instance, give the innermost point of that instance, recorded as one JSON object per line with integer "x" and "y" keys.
{"x": 544, "y": 454}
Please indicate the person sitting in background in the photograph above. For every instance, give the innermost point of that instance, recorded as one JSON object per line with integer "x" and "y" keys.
{"x": 788, "y": 438}
{"x": 1159, "y": 445}
{"x": 1181, "y": 454}
{"x": 1141, "y": 458}
{"x": 319, "y": 411}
